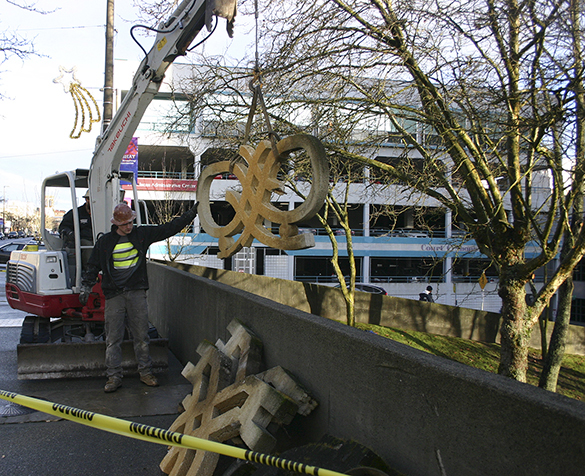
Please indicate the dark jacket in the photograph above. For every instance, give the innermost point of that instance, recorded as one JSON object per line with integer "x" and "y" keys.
{"x": 426, "y": 297}
{"x": 141, "y": 237}
{"x": 85, "y": 229}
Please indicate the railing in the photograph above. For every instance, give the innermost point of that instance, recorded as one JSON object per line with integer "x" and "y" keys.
{"x": 321, "y": 279}
{"x": 397, "y": 279}
{"x": 387, "y": 232}
{"x": 373, "y": 279}
{"x": 381, "y": 232}
{"x": 406, "y": 279}
{"x": 336, "y": 231}
{"x": 456, "y": 278}
{"x": 430, "y": 279}
{"x": 167, "y": 175}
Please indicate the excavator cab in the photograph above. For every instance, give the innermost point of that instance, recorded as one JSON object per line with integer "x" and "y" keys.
{"x": 46, "y": 284}
{"x": 72, "y": 183}
{"x": 43, "y": 282}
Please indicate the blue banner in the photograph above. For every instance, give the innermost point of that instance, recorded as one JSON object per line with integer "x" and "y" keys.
{"x": 130, "y": 159}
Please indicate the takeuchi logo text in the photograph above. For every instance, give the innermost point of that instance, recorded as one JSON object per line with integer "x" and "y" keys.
{"x": 120, "y": 131}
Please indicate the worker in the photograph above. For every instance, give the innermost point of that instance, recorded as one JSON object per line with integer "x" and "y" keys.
{"x": 427, "y": 295}
{"x": 67, "y": 233}
{"x": 120, "y": 256}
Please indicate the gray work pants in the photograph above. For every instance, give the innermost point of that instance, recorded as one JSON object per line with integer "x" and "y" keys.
{"x": 129, "y": 308}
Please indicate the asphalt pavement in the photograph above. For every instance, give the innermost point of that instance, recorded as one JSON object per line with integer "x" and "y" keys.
{"x": 33, "y": 443}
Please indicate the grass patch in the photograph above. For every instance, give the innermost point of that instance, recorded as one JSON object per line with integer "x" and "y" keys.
{"x": 480, "y": 355}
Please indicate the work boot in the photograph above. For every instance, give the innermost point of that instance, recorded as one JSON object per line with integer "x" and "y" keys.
{"x": 149, "y": 380}
{"x": 113, "y": 384}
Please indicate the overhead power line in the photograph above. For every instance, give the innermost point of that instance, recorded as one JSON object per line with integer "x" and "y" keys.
{"x": 64, "y": 28}
{"x": 44, "y": 153}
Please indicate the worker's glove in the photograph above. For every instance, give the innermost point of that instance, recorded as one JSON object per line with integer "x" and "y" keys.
{"x": 84, "y": 295}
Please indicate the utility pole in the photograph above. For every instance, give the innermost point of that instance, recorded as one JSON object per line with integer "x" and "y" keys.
{"x": 109, "y": 67}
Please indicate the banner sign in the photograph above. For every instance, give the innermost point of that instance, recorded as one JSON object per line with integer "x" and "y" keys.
{"x": 165, "y": 185}
{"x": 130, "y": 159}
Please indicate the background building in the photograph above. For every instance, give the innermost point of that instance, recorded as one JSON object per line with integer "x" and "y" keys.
{"x": 417, "y": 244}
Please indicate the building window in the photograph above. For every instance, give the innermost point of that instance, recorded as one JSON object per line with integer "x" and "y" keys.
{"x": 470, "y": 270}
{"x": 320, "y": 270}
{"x": 579, "y": 271}
{"x": 578, "y": 311}
{"x": 405, "y": 270}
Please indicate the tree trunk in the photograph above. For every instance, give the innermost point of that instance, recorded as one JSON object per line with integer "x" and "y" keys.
{"x": 350, "y": 309}
{"x": 543, "y": 326}
{"x": 556, "y": 350}
{"x": 514, "y": 332}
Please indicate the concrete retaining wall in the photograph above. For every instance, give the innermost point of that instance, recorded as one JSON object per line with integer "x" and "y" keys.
{"x": 386, "y": 311}
{"x": 424, "y": 415}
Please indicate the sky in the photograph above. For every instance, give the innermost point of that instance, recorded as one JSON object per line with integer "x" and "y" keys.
{"x": 37, "y": 115}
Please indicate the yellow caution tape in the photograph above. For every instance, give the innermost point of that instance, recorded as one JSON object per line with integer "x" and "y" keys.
{"x": 158, "y": 435}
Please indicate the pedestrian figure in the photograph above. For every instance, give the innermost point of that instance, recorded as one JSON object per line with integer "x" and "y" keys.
{"x": 120, "y": 256}
{"x": 427, "y": 295}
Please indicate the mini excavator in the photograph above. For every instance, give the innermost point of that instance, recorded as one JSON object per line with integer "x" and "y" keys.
{"x": 61, "y": 338}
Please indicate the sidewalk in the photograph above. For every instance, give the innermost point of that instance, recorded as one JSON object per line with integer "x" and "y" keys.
{"x": 38, "y": 444}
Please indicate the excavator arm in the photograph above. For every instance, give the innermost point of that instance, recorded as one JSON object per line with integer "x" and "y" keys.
{"x": 173, "y": 39}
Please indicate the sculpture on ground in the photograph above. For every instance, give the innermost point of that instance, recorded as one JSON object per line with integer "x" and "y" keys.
{"x": 231, "y": 400}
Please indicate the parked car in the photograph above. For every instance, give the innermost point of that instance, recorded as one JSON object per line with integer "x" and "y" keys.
{"x": 2, "y": 236}
{"x": 368, "y": 288}
{"x": 8, "y": 248}
{"x": 312, "y": 231}
{"x": 410, "y": 233}
{"x": 341, "y": 231}
{"x": 12, "y": 235}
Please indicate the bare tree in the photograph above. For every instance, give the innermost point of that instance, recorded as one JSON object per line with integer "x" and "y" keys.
{"x": 166, "y": 210}
{"x": 496, "y": 88}
{"x": 487, "y": 96}
{"x": 347, "y": 283}
{"x": 169, "y": 207}
{"x": 23, "y": 221}
{"x": 12, "y": 44}
{"x": 556, "y": 350}
{"x": 154, "y": 10}
{"x": 336, "y": 205}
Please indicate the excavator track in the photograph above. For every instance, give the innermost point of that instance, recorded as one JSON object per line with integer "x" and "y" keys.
{"x": 50, "y": 350}
{"x": 73, "y": 360}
